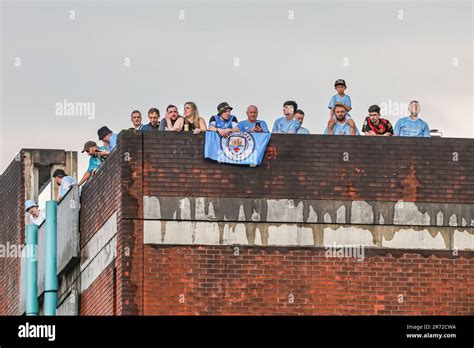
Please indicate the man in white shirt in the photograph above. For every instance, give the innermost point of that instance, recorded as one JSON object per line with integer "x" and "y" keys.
{"x": 37, "y": 216}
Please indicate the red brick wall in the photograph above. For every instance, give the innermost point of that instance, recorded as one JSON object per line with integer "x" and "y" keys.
{"x": 312, "y": 167}
{"x": 260, "y": 280}
{"x": 12, "y": 204}
{"x": 130, "y": 233}
{"x": 117, "y": 187}
{"x": 146, "y": 279}
{"x": 99, "y": 297}
{"x": 100, "y": 198}
{"x": 213, "y": 281}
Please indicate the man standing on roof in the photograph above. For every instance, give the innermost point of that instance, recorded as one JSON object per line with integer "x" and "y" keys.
{"x": 64, "y": 182}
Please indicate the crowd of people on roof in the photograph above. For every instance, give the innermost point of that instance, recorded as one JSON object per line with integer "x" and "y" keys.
{"x": 340, "y": 123}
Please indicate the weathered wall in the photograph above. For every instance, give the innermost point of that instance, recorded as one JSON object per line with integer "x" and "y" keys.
{"x": 213, "y": 280}
{"x": 314, "y": 167}
{"x": 13, "y": 223}
{"x": 99, "y": 215}
{"x": 409, "y": 202}
{"x": 164, "y": 231}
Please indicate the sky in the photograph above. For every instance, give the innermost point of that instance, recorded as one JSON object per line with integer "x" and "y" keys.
{"x": 116, "y": 56}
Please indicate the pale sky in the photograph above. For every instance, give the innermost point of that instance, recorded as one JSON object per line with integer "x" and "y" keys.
{"x": 123, "y": 55}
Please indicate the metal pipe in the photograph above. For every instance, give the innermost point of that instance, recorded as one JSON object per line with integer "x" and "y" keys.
{"x": 51, "y": 278}
{"x": 32, "y": 307}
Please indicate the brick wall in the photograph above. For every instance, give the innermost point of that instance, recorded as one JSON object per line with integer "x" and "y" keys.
{"x": 313, "y": 167}
{"x": 278, "y": 281}
{"x": 11, "y": 231}
{"x": 99, "y": 298}
{"x": 117, "y": 187}
{"x": 195, "y": 280}
{"x": 211, "y": 279}
{"x": 100, "y": 198}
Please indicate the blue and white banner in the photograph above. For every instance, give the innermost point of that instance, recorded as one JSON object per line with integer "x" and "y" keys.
{"x": 236, "y": 148}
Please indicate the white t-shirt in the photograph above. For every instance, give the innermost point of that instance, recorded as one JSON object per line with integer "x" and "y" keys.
{"x": 38, "y": 220}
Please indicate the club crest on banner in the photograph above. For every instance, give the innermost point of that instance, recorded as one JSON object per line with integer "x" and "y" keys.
{"x": 238, "y": 146}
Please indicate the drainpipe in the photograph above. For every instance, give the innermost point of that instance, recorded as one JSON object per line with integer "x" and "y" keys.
{"x": 51, "y": 279}
{"x": 32, "y": 307}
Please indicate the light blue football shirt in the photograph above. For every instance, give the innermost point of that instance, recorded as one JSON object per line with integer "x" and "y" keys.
{"x": 406, "y": 127}
{"x": 283, "y": 125}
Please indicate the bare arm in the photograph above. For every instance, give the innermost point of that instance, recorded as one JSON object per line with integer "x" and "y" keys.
{"x": 178, "y": 125}
{"x": 202, "y": 127}
{"x": 331, "y": 124}
{"x": 85, "y": 177}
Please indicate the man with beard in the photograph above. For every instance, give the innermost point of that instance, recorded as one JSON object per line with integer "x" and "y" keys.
{"x": 375, "y": 125}
{"x": 172, "y": 121}
{"x": 340, "y": 126}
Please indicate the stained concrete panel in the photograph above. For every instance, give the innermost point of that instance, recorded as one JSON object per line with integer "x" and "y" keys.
{"x": 295, "y": 211}
{"x": 68, "y": 237}
{"x": 318, "y": 235}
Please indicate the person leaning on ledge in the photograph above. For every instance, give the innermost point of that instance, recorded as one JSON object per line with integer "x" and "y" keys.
{"x": 64, "y": 182}
{"x": 192, "y": 121}
{"x": 97, "y": 156}
{"x": 108, "y": 138}
{"x": 375, "y": 125}
{"x": 172, "y": 121}
{"x": 37, "y": 216}
{"x": 223, "y": 123}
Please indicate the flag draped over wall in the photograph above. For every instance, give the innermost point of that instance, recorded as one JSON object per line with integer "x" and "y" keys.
{"x": 236, "y": 148}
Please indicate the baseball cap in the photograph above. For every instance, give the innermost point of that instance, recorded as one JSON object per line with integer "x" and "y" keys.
{"x": 88, "y": 145}
{"x": 340, "y": 82}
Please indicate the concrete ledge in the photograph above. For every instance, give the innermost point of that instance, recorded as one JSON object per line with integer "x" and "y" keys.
{"x": 309, "y": 211}
{"x": 315, "y": 235}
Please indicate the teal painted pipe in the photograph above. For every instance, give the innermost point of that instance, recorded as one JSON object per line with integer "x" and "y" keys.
{"x": 32, "y": 307}
{"x": 50, "y": 276}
